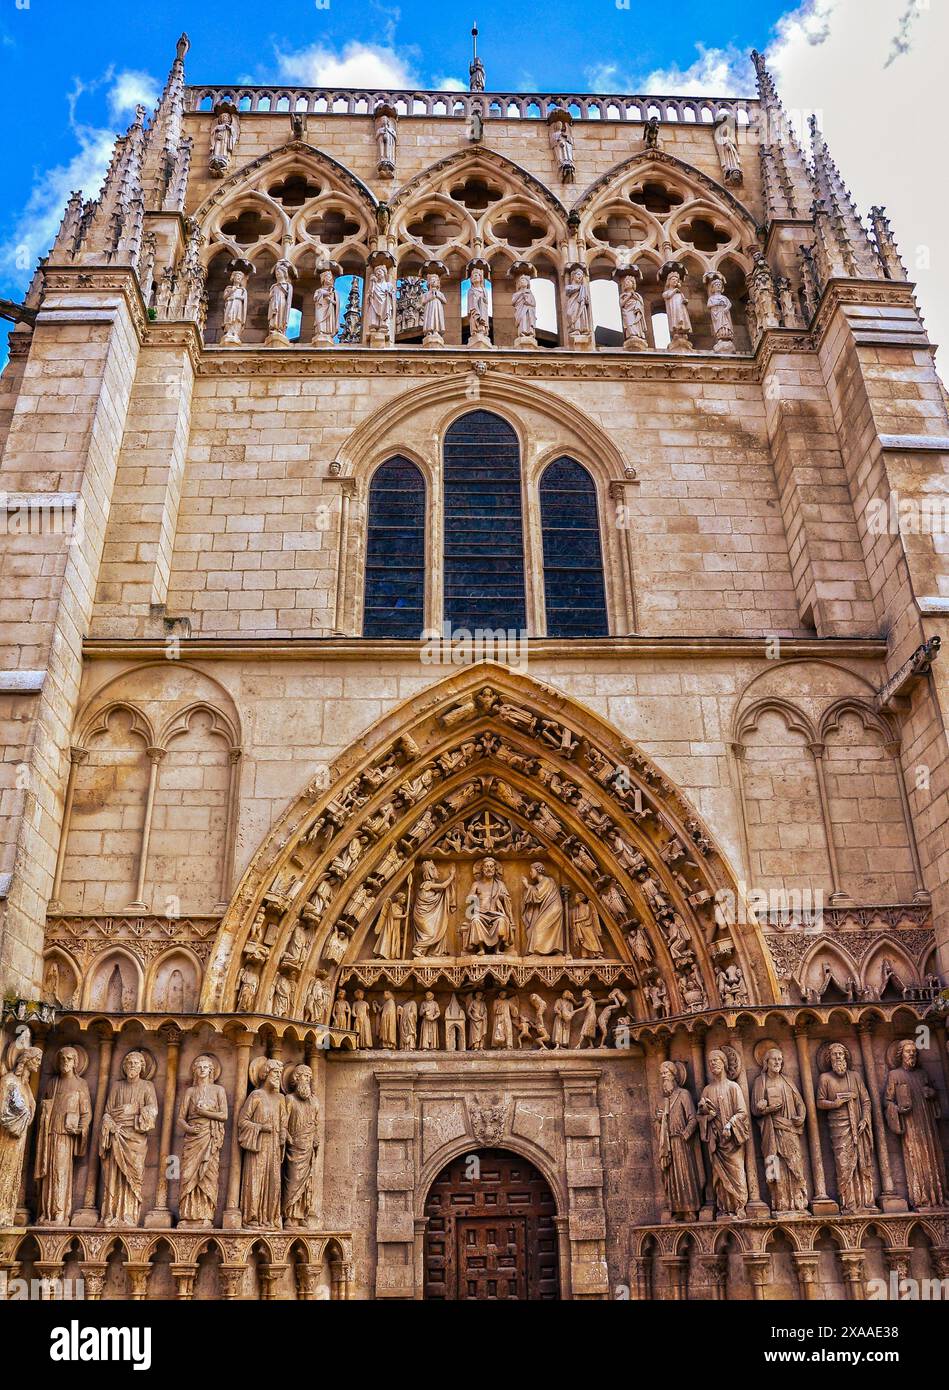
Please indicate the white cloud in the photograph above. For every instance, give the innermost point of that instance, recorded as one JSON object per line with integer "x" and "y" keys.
{"x": 38, "y": 222}
{"x": 131, "y": 89}
{"x": 716, "y": 72}
{"x": 449, "y": 84}
{"x": 357, "y": 65}
{"x": 882, "y": 114}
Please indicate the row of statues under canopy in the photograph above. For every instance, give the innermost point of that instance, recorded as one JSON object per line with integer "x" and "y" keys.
{"x": 381, "y": 297}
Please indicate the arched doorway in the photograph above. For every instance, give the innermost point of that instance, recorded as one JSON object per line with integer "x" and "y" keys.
{"x": 491, "y": 1230}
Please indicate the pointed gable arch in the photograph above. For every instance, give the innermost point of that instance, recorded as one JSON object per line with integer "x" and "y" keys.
{"x": 617, "y": 828}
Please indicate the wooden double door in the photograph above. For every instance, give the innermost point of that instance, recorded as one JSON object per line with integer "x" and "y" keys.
{"x": 491, "y": 1232}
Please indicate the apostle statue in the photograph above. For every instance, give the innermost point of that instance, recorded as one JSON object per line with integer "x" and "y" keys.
{"x": 17, "y": 1108}
{"x": 280, "y": 303}
{"x": 564, "y": 1009}
{"x": 781, "y": 1107}
{"x": 202, "y": 1116}
{"x": 235, "y": 308}
{"x": 361, "y": 1019}
{"x": 130, "y": 1114}
{"x": 380, "y": 307}
{"x": 680, "y": 1157}
{"x": 632, "y": 312}
{"x": 725, "y": 139}
{"x": 429, "y": 1013}
{"x": 408, "y": 1025}
{"x": 579, "y": 308}
{"x": 477, "y": 1011}
{"x": 326, "y": 310}
{"x": 542, "y": 908}
{"x": 386, "y": 140}
{"x": 434, "y": 903}
{"x": 525, "y": 313}
{"x": 62, "y": 1132}
{"x": 585, "y": 929}
{"x": 561, "y": 142}
{"x": 433, "y": 311}
{"x": 489, "y": 913}
{"x": 262, "y": 1134}
{"x": 390, "y": 929}
{"x": 223, "y": 140}
{"x": 842, "y": 1094}
{"x": 505, "y": 1018}
{"x": 479, "y": 310}
{"x": 303, "y": 1145}
{"x": 724, "y": 1127}
{"x": 677, "y": 311}
{"x": 720, "y": 312}
{"x": 912, "y": 1112}
{"x": 315, "y": 999}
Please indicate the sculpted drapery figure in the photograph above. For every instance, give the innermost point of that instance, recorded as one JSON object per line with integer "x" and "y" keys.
{"x": 17, "y": 1108}
{"x": 489, "y": 924}
{"x": 677, "y": 311}
{"x": 844, "y": 1097}
{"x": 680, "y": 1159}
{"x": 585, "y": 929}
{"x": 62, "y": 1133}
{"x": 202, "y": 1116}
{"x": 632, "y": 312}
{"x": 564, "y": 1009}
{"x": 912, "y": 1112}
{"x": 561, "y": 142}
{"x": 781, "y": 1107}
{"x": 505, "y": 1018}
{"x": 479, "y": 310}
{"x": 380, "y": 307}
{"x": 433, "y": 311}
{"x": 434, "y": 903}
{"x": 326, "y": 310}
{"x": 223, "y": 139}
{"x": 429, "y": 1013}
{"x": 303, "y": 1145}
{"x": 477, "y": 1011}
{"x": 280, "y": 302}
{"x": 720, "y": 312}
{"x": 235, "y": 308}
{"x": 361, "y": 1019}
{"x": 130, "y": 1114}
{"x": 262, "y": 1134}
{"x": 525, "y": 312}
{"x": 579, "y": 308}
{"x": 543, "y": 913}
{"x": 386, "y": 141}
{"x": 408, "y": 1025}
{"x": 388, "y": 1012}
{"x": 725, "y": 139}
{"x": 724, "y": 1127}
{"x": 390, "y": 929}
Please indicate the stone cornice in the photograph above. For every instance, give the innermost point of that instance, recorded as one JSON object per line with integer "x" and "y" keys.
{"x": 75, "y": 279}
{"x": 381, "y": 649}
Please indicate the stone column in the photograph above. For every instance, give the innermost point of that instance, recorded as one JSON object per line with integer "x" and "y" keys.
{"x": 232, "y": 1210}
{"x": 716, "y": 1270}
{"x": 184, "y": 1276}
{"x": 677, "y": 1275}
{"x": 88, "y": 1214}
{"x": 155, "y": 756}
{"x": 344, "y": 561}
{"x": 837, "y": 894}
{"x": 852, "y": 1262}
{"x": 806, "y": 1263}
{"x": 759, "y": 1273}
{"x": 821, "y": 1203}
{"x": 77, "y": 756}
{"x": 230, "y": 826}
{"x": 160, "y": 1215}
{"x": 889, "y": 1199}
{"x": 620, "y": 497}
{"x": 921, "y": 893}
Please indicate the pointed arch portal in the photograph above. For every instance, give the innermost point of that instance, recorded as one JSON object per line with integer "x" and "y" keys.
{"x": 491, "y": 764}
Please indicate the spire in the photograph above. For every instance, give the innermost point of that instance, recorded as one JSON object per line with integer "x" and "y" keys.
{"x": 112, "y": 226}
{"x": 783, "y": 169}
{"x": 352, "y": 317}
{"x": 475, "y": 67}
{"x": 886, "y": 246}
{"x": 859, "y": 257}
{"x": 164, "y": 139}
{"x": 67, "y": 238}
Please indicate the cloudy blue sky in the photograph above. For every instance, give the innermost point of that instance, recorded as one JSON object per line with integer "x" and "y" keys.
{"x": 873, "y": 69}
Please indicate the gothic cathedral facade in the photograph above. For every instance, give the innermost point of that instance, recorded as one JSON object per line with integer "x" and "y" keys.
{"x": 473, "y": 818}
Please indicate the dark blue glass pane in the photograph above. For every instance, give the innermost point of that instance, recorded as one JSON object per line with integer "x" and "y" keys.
{"x": 395, "y": 552}
{"x": 484, "y": 543}
{"x": 573, "y": 559}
